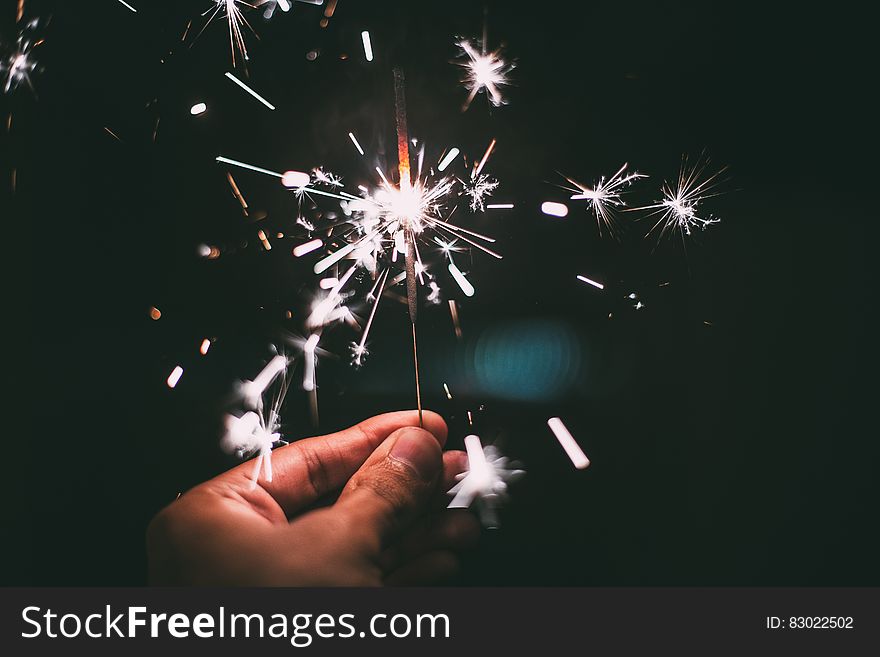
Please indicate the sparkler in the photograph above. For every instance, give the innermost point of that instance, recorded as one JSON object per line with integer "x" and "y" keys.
{"x": 485, "y": 482}
{"x": 605, "y": 196}
{"x": 382, "y": 227}
{"x": 409, "y": 219}
{"x": 679, "y": 208}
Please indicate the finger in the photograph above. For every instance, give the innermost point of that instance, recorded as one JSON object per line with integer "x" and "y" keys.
{"x": 308, "y": 469}
{"x": 428, "y": 569}
{"x": 393, "y": 487}
{"x": 452, "y": 529}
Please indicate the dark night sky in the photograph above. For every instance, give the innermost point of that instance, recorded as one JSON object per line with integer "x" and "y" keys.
{"x": 738, "y": 453}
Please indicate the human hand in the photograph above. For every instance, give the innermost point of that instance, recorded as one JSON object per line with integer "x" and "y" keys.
{"x": 388, "y": 526}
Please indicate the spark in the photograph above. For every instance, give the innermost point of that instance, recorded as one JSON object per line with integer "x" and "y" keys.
{"x": 554, "y": 209}
{"x": 309, "y": 349}
{"x": 485, "y": 482}
{"x": 252, "y": 391}
{"x": 257, "y": 432}
{"x": 299, "y": 190}
{"x": 235, "y": 20}
{"x": 249, "y": 90}
{"x": 321, "y": 313}
{"x": 483, "y": 72}
{"x": 463, "y": 283}
{"x": 155, "y": 313}
{"x": 203, "y": 348}
{"x": 359, "y": 350}
{"x": 448, "y": 159}
{"x": 243, "y": 165}
{"x": 478, "y": 189}
{"x": 174, "y": 377}
{"x": 355, "y": 142}
{"x": 112, "y": 134}
{"x": 17, "y": 67}
{"x": 295, "y": 179}
{"x": 236, "y": 192}
{"x": 446, "y": 390}
{"x": 679, "y": 208}
{"x": 499, "y": 206}
{"x": 605, "y": 196}
{"x": 368, "y": 46}
{"x": 198, "y": 108}
{"x": 326, "y": 178}
{"x": 591, "y": 282}
{"x": 484, "y": 159}
{"x": 569, "y": 444}
{"x": 308, "y": 247}
{"x": 271, "y": 5}
{"x": 453, "y": 312}
{"x": 123, "y": 2}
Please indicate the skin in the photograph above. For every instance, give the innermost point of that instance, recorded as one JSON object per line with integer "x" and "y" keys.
{"x": 388, "y": 525}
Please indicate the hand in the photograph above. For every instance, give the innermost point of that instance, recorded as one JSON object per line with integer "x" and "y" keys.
{"x": 388, "y": 526}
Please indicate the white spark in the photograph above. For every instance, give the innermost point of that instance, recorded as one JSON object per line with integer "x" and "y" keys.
{"x": 554, "y": 209}
{"x": 174, "y": 377}
{"x": 257, "y": 433}
{"x": 295, "y": 179}
{"x": 679, "y": 207}
{"x": 198, "y": 108}
{"x": 203, "y": 348}
{"x": 569, "y": 444}
{"x": 308, "y": 247}
{"x": 478, "y": 188}
{"x": 123, "y": 2}
{"x": 310, "y": 361}
{"x": 368, "y": 46}
{"x": 463, "y": 283}
{"x": 243, "y": 165}
{"x": 605, "y": 196}
{"x": 252, "y": 391}
{"x": 17, "y": 67}
{"x": 484, "y": 72}
{"x": 249, "y": 90}
{"x": 448, "y": 159}
{"x": 356, "y": 143}
{"x": 499, "y": 206}
{"x": 235, "y": 20}
{"x": 591, "y": 282}
{"x": 485, "y": 482}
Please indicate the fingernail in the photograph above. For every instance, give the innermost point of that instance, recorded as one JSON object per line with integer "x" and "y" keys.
{"x": 419, "y": 449}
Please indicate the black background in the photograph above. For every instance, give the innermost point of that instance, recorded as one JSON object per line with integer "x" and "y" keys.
{"x": 736, "y": 452}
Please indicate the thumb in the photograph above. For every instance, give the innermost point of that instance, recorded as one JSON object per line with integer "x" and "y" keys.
{"x": 392, "y": 487}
